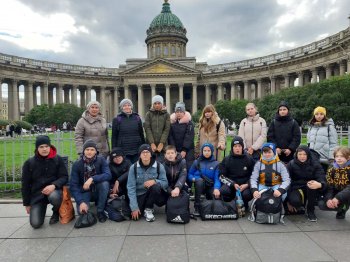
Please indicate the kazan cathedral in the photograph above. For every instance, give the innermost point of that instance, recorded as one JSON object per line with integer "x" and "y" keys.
{"x": 169, "y": 72}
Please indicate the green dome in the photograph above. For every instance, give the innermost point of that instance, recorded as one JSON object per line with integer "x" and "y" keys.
{"x": 166, "y": 19}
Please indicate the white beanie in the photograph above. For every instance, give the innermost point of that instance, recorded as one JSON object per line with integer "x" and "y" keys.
{"x": 125, "y": 101}
{"x": 157, "y": 98}
{"x": 93, "y": 103}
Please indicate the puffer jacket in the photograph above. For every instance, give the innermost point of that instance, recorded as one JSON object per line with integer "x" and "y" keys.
{"x": 253, "y": 131}
{"x": 182, "y": 133}
{"x": 94, "y": 128}
{"x": 323, "y": 139}
{"x": 157, "y": 126}
{"x": 176, "y": 172}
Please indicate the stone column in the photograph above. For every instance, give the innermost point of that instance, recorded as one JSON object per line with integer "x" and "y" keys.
{"x": 153, "y": 90}
{"x": 58, "y": 93}
{"x": 286, "y": 81}
{"x": 74, "y": 95}
{"x": 140, "y": 103}
{"x": 66, "y": 95}
{"x": 194, "y": 98}
{"x": 82, "y": 97}
{"x": 259, "y": 82}
{"x": 328, "y": 71}
{"x": 220, "y": 97}
{"x": 30, "y": 95}
{"x": 88, "y": 94}
{"x": 246, "y": 90}
{"x": 103, "y": 100}
{"x": 273, "y": 85}
{"x": 314, "y": 75}
{"x": 207, "y": 94}
{"x": 181, "y": 92}
{"x": 116, "y": 101}
{"x": 44, "y": 93}
{"x": 341, "y": 68}
{"x": 126, "y": 91}
{"x": 301, "y": 78}
{"x": 233, "y": 91}
{"x": 50, "y": 96}
{"x": 15, "y": 105}
{"x": 167, "y": 97}
{"x": 348, "y": 66}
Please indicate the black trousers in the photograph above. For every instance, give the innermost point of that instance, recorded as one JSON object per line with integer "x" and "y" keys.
{"x": 153, "y": 196}
{"x": 305, "y": 198}
{"x": 201, "y": 187}
{"x": 229, "y": 193}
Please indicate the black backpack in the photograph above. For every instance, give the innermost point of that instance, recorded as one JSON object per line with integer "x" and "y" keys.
{"x": 178, "y": 209}
{"x": 217, "y": 209}
{"x": 118, "y": 209}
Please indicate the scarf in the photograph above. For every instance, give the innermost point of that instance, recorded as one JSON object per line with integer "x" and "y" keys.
{"x": 89, "y": 167}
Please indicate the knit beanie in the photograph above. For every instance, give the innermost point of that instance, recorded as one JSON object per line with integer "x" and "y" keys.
{"x": 180, "y": 106}
{"x": 283, "y": 103}
{"x": 93, "y": 103}
{"x": 42, "y": 140}
{"x": 125, "y": 101}
{"x": 320, "y": 109}
{"x": 237, "y": 140}
{"x": 145, "y": 147}
{"x": 157, "y": 98}
{"x": 269, "y": 145}
{"x": 116, "y": 151}
{"x": 89, "y": 143}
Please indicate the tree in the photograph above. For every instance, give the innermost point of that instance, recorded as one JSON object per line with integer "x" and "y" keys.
{"x": 233, "y": 110}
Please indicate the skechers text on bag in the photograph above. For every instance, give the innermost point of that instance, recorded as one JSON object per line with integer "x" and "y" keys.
{"x": 217, "y": 209}
{"x": 178, "y": 209}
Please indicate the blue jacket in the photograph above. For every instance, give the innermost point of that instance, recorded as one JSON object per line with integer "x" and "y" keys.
{"x": 77, "y": 176}
{"x": 135, "y": 185}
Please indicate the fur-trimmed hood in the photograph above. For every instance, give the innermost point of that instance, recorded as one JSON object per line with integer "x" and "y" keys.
{"x": 185, "y": 120}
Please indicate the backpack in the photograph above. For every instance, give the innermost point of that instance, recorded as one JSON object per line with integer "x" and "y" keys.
{"x": 267, "y": 209}
{"x": 178, "y": 209}
{"x": 118, "y": 209}
{"x": 217, "y": 209}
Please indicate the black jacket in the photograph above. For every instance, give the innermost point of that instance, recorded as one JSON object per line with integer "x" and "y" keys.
{"x": 236, "y": 169}
{"x": 127, "y": 133}
{"x": 182, "y": 136}
{"x": 300, "y": 173}
{"x": 176, "y": 172}
{"x": 38, "y": 173}
{"x": 120, "y": 173}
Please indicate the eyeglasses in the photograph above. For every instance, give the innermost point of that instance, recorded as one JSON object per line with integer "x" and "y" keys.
{"x": 145, "y": 152}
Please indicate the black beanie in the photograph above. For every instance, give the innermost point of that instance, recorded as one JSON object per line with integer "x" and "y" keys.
{"x": 285, "y": 104}
{"x": 42, "y": 140}
{"x": 237, "y": 140}
{"x": 116, "y": 151}
{"x": 145, "y": 147}
{"x": 89, "y": 143}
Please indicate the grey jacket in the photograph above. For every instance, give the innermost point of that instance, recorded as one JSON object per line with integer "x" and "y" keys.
{"x": 323, "y": 139}
{"x": 94, "y": 128}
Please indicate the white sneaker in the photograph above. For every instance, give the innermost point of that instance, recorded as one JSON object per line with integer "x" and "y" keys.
{"x": 149, "y": 215}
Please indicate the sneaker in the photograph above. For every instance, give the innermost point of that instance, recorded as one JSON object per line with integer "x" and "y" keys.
{"x": 340, "y": 214}
{"x": 149, "y": 215}
{"x": 311, "y": 216}
{"x": 196, "y": 212}
{"x": 101, "y": 217}
{"x": 54, "y": 218}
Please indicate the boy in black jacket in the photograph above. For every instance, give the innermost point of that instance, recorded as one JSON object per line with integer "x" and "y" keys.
{"x": 307, "y": 179}
{"x": 119, "y": 166}
{"x": 235, "y": 171}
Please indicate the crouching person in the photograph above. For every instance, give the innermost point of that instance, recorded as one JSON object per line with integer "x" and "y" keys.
{"x": 146, "y": 181}
{"x": 89, "y": 180}
{"x": 43, "y": 177}
{"x": 119, "y": 166}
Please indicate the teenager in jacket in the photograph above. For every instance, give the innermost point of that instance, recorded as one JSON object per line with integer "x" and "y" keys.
{"x": 235, "y": 172}
{"x": 93, "y": 126}
{"x": 322, "y": 136}
{"x": 43, "y": 177}
{"x": 307, "y": 181}
{"x": 204, "y": 173}
{"x": 252, "y": 130}
{"x": 119, "y": 166}
{"x": 127, "y": 130}
{"x": 284, "y": 132}
{"x": 157, "y": 126}
{"x": 146, "y": 181}
{"x": 89, "y": 180}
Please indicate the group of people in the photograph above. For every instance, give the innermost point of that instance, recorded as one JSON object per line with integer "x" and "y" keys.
{"x": 156, "y": 159}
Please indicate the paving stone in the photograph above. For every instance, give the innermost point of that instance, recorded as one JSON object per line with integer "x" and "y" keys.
{"x": 28, "y": 249}
{"x": 8, "y": 226}
{"x": 295, "y": 246}
{"x": 109, "y": 228}
{"x": 56, "y": 230}
{"x": 158, "y": 227}
{"x": 252, "y": 227}
{"x": 335, "y": 243}
{"x": 212, "y": 227}
{"x": 12, "y": 210}
{"x": 88, "y": 249}
{"x": 154, "y": 248}
{"x": 224, "y": 247}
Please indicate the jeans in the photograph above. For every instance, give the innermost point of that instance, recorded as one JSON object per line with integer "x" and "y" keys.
{"x": 38, "y": 210}
{"x": 98, "y": 193}
{"x": 154, "y": 195}
{"x": 261, "y": 187}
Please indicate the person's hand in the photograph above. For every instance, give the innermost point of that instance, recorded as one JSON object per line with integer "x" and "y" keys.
{"x": 287, "y": 152}
{"x": 48, "y": 190}
{"x": 291, "y": 209}
{"x": 276, "y": 193}
{"x": 243, "y": 187}
{"x": 28, "y": 209}
{"x": 335, "y": 202}
{"x": 312, "y": 184}
{"x": 278, "y": 150}
{"x": 216, "y": 193}
{"x": 87, "y": 184}
{"x": 135, "y": 214}
{"x": 330, "y": 162}
{"x": 183, "y": 154}
{"x": 250, "y": 150}
{"x": 221, "y": 146}
{"x": 160, "y": 147}
{"x": 330, "y": 204}
{"x": 256, "y": 194}
{"x": 236, "y": 186}
{"x": 175, "y": 192}
{"x": 154, "y": 147}
{"x": 83, "y": 208}
{"x": 112, "y": 196}
{"x": 115, "y": 189}
{"x": 149, "y": 183}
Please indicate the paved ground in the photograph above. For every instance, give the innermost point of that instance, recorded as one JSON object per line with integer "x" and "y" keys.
{"x": 241, "y": 240}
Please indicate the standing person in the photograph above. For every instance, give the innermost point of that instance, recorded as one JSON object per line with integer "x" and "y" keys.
{"x": 127, "y": 130}
{"x": 253, "y": 131}
{"x": 89, "y": 180}
{"x": 43, "y": 177}
{"x": 119, "y": 166}
{"x": 211, "y": 130}
{"x": 322, "y": 136}
{"x": 146, "y": 181}
{"x": 157, "y": 126}
{"x": 93, "y": 126}
{"x": 182, "y": 133}
{"x": 284, "y": 132}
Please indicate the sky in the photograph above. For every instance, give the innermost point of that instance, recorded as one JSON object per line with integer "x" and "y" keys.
{"x": 107, "y": 32}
